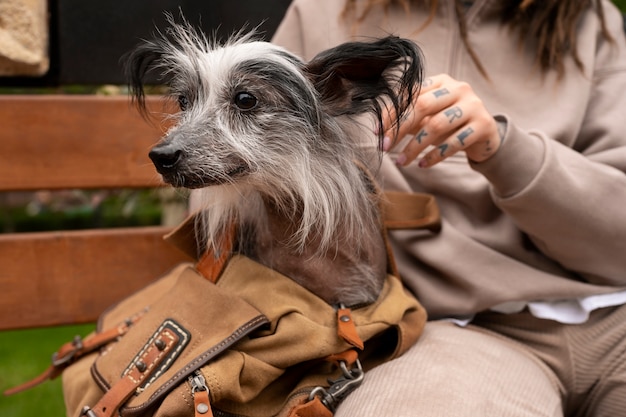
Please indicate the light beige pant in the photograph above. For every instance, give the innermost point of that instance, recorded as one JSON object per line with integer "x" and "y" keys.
{"x": 503, "y": 365}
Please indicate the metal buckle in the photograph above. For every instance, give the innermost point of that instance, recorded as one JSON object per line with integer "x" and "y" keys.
{"x": 340, "y": 387}
{"x": 78, "y": 345}
{"x": 88, "y": 412}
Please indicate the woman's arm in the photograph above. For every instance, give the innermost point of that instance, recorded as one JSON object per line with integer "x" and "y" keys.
{"x": 569, "y": 198}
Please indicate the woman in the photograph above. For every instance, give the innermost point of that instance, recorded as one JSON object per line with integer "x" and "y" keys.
{"x": 519, "y": 131}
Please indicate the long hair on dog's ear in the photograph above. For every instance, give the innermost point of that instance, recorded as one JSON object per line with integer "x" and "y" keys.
{"x": 358, "y": 77}
{"x": 158, "y": 59}
{"x": 137, "y": 65}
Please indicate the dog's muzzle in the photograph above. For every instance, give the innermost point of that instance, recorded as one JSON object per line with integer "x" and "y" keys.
{"x": 172, "y": 163}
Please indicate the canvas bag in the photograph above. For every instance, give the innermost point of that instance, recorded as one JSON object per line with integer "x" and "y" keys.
{"x": 186, "y": 346}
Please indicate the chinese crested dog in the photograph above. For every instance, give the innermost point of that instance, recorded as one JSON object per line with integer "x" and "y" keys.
{"x": 273, "y": 144}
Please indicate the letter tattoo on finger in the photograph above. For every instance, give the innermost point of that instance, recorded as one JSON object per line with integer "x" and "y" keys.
{"x": 453, "y": 113}
{"x": 464, "y": 134}
{"x": 420, "y": 136}
{"x": 441, "y": 92}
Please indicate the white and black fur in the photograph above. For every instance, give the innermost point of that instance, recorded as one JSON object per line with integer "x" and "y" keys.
{"x": 265, "y": 136}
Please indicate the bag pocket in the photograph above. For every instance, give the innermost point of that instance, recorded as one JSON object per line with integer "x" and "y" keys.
{"x": 190, "y": 324}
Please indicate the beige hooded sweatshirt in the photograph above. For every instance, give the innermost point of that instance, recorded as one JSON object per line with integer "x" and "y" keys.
{"x": 545, "y": 217}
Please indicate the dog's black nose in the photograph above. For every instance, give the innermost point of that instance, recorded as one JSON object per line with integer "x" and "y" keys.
{"x": 165, "y": 157}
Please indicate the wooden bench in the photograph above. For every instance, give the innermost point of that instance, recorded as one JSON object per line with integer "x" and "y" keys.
{"x": 56, "y": 142}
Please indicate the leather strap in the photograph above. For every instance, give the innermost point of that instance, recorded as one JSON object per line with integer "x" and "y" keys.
{"x": 202, "y": 404}
{"x": 349, "y": 357}
{"x": 71, "y": 351}
{"x": 313, "y": 408}
{"x": 49, "y": 374}
{"x": 214, "y": 260}
{"x": 410, "y": 211}
{"x": 346, "y": 328}
{"x": 407, "y": 211}
{"x": 134, "y": 376}
{"x": 400, "y": 210}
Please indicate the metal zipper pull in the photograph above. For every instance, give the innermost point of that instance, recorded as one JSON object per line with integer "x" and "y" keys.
{"x": 200, "y": 391}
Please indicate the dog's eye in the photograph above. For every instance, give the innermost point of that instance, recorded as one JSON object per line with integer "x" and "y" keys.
{"x": 245, "y": 101}
{"x": 183, "y": 102}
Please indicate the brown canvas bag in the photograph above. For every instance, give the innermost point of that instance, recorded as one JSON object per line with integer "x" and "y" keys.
{"x": 253, "y": 343}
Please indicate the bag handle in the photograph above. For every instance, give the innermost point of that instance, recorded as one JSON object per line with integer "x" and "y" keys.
{"x": 77, "y": 348}
{"x": 400, "y": 210}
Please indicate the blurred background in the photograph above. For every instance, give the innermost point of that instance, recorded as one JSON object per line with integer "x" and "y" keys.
{"x": 74, "y": 47}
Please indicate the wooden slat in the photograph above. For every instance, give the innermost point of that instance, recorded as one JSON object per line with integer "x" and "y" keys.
{"x": 57, "y": 142}
{"x": 71, "y": 277}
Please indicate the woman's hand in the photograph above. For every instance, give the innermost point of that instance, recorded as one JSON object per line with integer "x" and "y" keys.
{"x": 448, "y": 115}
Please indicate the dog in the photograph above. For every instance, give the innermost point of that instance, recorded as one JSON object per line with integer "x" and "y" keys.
{"x": 269, "y": 141}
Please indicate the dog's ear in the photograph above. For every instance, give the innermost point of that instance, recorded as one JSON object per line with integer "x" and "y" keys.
{"x": 137, "y": 65}
{"x": 358, "y": 77}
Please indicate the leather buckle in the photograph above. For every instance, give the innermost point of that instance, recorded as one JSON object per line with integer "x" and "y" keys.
{"x": 69, "y": 356}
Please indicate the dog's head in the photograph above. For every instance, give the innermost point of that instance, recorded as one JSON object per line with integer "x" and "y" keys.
{"x": 253, "y": 113}
{"x": 259, "y": 126}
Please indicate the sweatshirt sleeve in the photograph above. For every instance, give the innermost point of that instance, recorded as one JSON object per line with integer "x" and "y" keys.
{"x": 289, "y": 33}
{"x": 571, "y": 201}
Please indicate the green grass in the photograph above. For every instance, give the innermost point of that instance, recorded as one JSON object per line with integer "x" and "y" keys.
{"x": 82, "y": 209}
{"x": 24, "y": 354}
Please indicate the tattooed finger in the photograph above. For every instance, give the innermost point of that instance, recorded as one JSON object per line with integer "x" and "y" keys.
{"x": 448, "y": 147}
{"x": 441, "y": 92}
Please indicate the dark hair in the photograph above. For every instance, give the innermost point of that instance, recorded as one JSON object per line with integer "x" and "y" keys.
{"x": 550, "y": 24}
